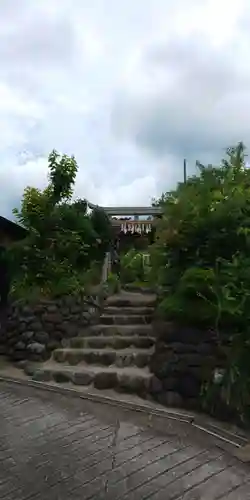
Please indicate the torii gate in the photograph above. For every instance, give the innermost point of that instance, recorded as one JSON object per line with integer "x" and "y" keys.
{"x": 133, "y": 226}
{"x": 131, "y": 222}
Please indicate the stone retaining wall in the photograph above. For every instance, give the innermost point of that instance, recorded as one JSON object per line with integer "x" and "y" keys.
{"x": 33, "y": 330}
{"x": 183, "y": 359}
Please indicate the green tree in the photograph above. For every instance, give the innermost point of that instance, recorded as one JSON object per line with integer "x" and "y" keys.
{"x": 63, "y": 241}
{"x": 201, "y": 257}
{"x": 205, "y": 219}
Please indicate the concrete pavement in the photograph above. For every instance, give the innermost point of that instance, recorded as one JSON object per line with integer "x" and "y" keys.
{"x": 55, "y": 447}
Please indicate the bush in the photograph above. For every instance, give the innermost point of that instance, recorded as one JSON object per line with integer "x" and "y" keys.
{"x": 201, "y": 257}
{"x": 133, "y": 268}
{"x": 113, "y": 283}
{"x": 63, "y": 241}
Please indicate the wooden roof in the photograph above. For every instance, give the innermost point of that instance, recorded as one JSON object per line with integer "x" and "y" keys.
{"x": 129, "y": 210}
{"x": 14, "y": 230}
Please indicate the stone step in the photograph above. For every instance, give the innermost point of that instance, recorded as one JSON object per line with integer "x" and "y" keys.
{"x": 120, "y": 330}
{"x": 129, "y": 299}
{"x": 107, "y": 319}
{"x": 138, "y": 289}
{"x": 128, "y": 311}
{"x": 113, "y": 342}
{"x": 129, "y": 380}
{"x": 104, "y": 357}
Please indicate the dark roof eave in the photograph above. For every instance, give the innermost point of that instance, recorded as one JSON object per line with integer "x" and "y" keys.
{"x": 16, "y": 231}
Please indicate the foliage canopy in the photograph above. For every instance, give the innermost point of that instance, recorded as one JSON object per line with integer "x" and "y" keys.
{"x": 63, "y": 241}
{"x": 201, "y": 258}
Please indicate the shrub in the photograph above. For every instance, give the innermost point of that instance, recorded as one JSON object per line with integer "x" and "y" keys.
{"x": 63, "y": 241}
{"x": 133, "y": 268}
{"x": 201, "y": 257}
{"x": 113, "y": 283}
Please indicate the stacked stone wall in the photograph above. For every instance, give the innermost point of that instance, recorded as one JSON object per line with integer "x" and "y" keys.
{"x": 31, "y": 331}
{"x": 183, "y": 359}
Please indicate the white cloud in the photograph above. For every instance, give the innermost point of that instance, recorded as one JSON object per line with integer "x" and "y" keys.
{"x": 130, "y": 90}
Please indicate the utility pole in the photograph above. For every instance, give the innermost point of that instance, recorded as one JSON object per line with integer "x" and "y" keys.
{"x": 185, "y": 171}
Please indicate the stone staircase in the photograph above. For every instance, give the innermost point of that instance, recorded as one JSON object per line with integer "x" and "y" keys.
{"x": 113, "y": 354}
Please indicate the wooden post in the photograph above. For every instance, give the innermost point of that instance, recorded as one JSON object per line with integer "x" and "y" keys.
{"x": 185, "y": 171}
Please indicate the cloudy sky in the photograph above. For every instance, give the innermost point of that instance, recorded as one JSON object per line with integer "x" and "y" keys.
{"x": 129, "y": 87}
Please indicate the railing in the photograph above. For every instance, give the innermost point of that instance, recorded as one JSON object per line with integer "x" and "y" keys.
{"x": 146, "y": 259}
{"x": 107, "y": 264}
{"x": 106, "y": 268}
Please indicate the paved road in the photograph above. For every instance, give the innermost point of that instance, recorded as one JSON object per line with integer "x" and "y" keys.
{"x": 58, "y": 448}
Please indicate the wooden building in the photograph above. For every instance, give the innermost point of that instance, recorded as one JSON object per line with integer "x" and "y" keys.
{"x": 10, "y": 232}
